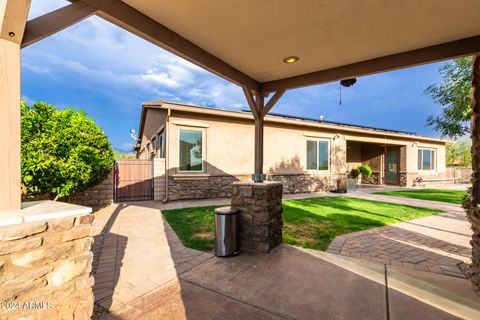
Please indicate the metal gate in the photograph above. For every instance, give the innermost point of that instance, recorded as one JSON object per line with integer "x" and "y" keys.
{"x": 392, "y": 162}
{"x": 133, "y": 180}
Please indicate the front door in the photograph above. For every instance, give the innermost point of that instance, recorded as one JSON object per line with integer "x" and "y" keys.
{"x": 391, "y": 166}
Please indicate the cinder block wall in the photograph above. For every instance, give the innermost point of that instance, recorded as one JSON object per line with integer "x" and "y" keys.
{"x": 96, "y": 197}
{"x": 45, "y": 269}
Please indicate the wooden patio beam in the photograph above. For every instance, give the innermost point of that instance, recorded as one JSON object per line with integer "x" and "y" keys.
{"x": 256, "y": 102}
{"x": 445, "y": 51}
{"x": 13, "y": 16}
{"x": 132, "y": 20}
{"x": 251, "y": 102}
{"x": 55, "y": 21}
{"x": 271, "y": 103}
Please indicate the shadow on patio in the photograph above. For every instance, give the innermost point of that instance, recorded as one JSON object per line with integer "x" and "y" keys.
{"x": 288, "y": 283}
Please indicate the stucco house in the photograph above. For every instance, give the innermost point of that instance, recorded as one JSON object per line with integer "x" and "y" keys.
{"x": 200, "y": 151}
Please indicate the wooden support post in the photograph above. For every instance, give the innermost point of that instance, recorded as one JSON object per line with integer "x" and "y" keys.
{"x": 259, "y": 110}
{"x": 475, "y": 191}
{"x": 13, "y": 16}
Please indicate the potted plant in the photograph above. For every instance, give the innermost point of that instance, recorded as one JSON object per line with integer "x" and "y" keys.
{"x": 365, "y": 170}
{"x": 352, "y": 180}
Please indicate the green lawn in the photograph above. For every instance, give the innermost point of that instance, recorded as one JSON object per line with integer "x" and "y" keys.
{"x": 452, "y": 196}
{"x": 309, "y": 223}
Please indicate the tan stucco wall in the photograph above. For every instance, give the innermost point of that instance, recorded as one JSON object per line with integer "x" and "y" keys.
{"x": 229, "y": 145}
{"x": 412, "y": 161}
{"x": 155, "y": 120}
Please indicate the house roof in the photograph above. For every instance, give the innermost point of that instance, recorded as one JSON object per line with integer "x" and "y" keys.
{"x": 281, "y": 118}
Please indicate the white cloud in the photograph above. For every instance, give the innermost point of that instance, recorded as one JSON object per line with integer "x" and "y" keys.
{"x": 35, "y": 68}
{"x": 41, "y": 7}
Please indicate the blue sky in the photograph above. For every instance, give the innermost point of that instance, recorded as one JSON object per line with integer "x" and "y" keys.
{"x": 109, "y": 72}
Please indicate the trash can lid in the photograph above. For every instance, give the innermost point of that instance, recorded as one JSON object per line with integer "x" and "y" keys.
{"x": 226, "y": 211}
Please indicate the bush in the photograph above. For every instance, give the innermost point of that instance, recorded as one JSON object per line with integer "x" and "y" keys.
{"x": 365, "y": 170}
{"x": 62, "y": 151}
{"x": 354, "y": 173}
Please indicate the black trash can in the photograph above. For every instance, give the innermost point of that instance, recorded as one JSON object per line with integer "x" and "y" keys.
{"x": 226, "y": 232}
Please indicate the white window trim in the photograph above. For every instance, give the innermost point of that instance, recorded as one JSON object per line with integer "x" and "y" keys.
{"x": 204, "y": 138}
{"x": 435, "y": 162}
{"x": 318, "y": 149}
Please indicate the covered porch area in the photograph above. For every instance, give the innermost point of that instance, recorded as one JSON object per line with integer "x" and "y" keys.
{"x": 266, "y": 48}
{"x": 387, "y": 161}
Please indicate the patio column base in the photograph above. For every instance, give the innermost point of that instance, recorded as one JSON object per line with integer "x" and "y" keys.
{"x": 260, "y": 206}
{"x": 46, "y": 261}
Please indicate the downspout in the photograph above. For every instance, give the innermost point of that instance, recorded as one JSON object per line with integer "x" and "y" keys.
{"x": 167, "y": 154}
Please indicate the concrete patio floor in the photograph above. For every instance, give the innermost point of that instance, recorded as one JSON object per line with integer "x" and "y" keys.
{"x": 292, "y": 283}
{"x": 142, "y": 271}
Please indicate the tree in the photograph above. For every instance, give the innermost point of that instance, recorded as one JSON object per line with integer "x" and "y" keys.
{"x": 62, "y": 151}
{"x": 459, "y": 154}
{"x": 453, "y": 94}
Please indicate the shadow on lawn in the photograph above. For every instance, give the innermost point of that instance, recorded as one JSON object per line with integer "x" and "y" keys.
{"x": 310, "y": 230}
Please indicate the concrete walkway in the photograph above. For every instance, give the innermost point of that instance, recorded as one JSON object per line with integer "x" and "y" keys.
{"x": 435, "y": 244}
{"x": 138, "y": 252}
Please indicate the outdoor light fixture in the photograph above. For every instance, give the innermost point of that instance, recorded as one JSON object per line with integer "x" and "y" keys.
{"x": 348, "y": 82}
{"x": 291, "y": 59}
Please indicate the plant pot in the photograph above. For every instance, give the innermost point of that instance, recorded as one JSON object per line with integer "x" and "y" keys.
{"x": 351, "y": 185}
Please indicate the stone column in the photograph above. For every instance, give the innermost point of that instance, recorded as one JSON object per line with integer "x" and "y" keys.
{"x": 46, "y": 262}
{"x": 260, "y": 206}
{"x": 475, "y": 196}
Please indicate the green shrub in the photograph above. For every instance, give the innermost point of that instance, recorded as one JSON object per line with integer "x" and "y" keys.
{"x": 365, "y": 170}
{"x": 354, "y": 173}
{"x": 62, "y": 152}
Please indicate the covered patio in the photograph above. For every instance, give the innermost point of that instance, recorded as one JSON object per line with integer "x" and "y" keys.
{"x": 266, "y": 48}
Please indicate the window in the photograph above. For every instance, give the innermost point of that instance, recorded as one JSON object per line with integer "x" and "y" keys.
{"x": 161, "y": 145}
{"x": 317, "y": 155}
{"x": 426, "y": 159}
{"x": 191, "y": 150}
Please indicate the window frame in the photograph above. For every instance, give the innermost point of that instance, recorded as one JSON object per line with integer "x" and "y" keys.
{"x": 433, "y": 163}
{"x": 203, "y": 132}
{"x": 317, "y": 140}
{"x": 160, "y": 147}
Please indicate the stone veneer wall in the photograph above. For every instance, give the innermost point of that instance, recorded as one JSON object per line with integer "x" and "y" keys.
{"x": 96, "y": 197}
{"x": 403, "y": 179}
{"x": 221, "y": 186}
{"x": 45, "y": 269}
{"x": 260, "y": 207}
{"x": 200, "y": 188}
{"x": 305, "y": 183}
{"x": 375, "y": 178}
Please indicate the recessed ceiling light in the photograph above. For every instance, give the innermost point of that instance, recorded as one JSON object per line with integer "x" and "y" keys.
{"x": 291, "y": 59}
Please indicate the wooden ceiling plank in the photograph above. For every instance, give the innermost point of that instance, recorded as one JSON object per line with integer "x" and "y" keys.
{"x": 55, "y": 21}
{"x": 445, "y": 51}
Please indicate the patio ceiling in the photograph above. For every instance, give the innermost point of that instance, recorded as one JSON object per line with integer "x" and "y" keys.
{"x": 255, "y": 36}
{"x": 245, "y": 41}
